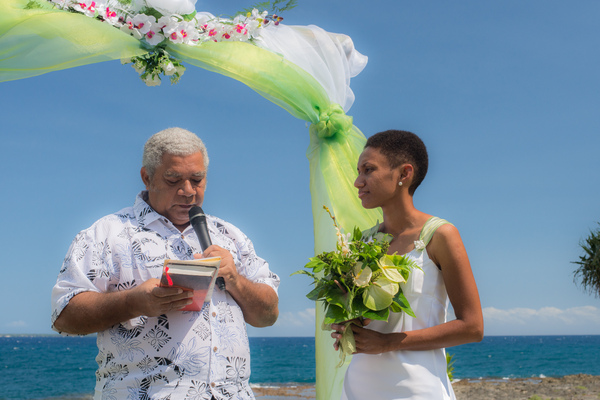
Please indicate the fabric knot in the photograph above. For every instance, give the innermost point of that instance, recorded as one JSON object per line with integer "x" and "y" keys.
{"x": 331, "y": 121}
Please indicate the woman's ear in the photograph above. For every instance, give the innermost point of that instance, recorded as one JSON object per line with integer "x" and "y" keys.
{"x": 407, "y": 173}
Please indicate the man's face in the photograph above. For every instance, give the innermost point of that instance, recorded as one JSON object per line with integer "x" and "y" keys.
{"x": 177, "y": 185}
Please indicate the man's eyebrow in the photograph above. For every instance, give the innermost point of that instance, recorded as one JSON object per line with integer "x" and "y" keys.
{"x": 173, "y": 174}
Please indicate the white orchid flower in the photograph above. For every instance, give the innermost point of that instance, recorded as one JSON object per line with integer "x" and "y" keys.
{"x": 154, "y": 37}
{"x": 343, "y": 241}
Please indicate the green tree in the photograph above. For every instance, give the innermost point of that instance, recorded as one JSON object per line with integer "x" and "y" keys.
{"x": 588, "y": 273}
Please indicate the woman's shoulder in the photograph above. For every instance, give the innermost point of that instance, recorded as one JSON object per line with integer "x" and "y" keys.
{"x": 433, "y": 225}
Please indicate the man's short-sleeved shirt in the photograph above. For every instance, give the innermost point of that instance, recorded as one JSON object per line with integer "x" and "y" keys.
{"x": 178, "y": 355}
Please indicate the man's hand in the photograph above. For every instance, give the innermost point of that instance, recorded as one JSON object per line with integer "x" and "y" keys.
{"x": 227, "y": 269}
{"x": 91, "y": 312}
{"x": 151, "y": 300}
{"x": 258, "y": 301}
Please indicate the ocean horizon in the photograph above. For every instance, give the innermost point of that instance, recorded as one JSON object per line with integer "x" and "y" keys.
{"x": 52, "y": 367}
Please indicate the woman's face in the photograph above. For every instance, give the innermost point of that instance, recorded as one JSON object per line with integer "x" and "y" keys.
{"x": 377, "y": 183}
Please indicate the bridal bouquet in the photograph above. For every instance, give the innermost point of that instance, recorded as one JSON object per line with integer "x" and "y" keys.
{"x": 358, "y": 280}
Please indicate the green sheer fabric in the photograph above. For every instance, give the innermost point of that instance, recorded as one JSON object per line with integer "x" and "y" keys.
{"x": 37, "y": 40}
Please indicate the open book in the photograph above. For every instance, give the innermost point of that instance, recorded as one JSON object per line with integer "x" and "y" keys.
{"x": 196, "y": 275}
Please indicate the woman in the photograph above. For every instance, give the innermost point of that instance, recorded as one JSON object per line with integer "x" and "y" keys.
{"x": 404, "y": 358}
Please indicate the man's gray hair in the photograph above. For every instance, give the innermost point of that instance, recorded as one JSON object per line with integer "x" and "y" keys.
{"x": 174, "y": 141}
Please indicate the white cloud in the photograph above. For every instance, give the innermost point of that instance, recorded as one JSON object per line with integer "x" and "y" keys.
{"x": 583, "y": 320}
{"x": 16, "y": 324}
{"x": 289, "y": 323}
{"x": 298, "y": 318}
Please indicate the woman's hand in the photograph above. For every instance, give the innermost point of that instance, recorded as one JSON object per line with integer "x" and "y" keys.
{"x": 367, "y": 341}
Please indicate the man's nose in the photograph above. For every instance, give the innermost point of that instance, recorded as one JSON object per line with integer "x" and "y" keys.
{"x": 187, "y": 189}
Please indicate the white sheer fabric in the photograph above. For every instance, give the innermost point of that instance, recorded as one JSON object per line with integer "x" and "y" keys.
{"x": 329, "y": 57}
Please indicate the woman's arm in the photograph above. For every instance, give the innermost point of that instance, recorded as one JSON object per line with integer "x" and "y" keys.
{"x": 448, "y": 252}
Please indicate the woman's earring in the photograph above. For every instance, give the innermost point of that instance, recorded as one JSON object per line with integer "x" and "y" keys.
{"x": 400, "y": 183}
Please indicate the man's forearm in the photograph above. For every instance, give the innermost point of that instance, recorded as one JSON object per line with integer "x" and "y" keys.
{"x": 258, "y": 302}
{"x": 91, "y": 312}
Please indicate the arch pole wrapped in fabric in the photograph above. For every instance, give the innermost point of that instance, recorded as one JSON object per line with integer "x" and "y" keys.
{"x": 305, "y": 70}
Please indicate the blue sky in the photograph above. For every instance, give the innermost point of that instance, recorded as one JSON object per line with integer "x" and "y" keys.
{"x": 505, "y": 95}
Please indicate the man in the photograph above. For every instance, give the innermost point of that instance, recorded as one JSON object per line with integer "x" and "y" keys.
{"x": 109, "y": 284}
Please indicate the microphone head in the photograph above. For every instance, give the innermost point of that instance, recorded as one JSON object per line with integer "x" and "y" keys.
{"x": 196, "y": 212}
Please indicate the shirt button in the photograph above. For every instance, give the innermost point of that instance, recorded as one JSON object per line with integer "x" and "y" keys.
{"x": 183, "y": 237}
{"x": 214, "y": 314}
{"x": 213, "y": 384}
{"x": 215, "y": 349}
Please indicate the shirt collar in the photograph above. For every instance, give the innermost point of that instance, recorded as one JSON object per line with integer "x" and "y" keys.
{"x": 144, "y": 213}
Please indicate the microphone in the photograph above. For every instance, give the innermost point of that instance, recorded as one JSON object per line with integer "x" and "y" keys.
{"x": 198, "y": 222}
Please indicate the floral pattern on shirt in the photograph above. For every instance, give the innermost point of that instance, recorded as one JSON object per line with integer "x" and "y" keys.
{"x": 178, "y": 355}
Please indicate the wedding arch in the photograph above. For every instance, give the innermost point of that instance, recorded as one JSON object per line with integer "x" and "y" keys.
{"x": 303, "y": 69}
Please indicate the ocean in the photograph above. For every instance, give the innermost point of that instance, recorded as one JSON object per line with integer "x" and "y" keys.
{"x": 52, "y": 367}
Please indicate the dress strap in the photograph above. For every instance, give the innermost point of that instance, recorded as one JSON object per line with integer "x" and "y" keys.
{"x": 431, "y": 225}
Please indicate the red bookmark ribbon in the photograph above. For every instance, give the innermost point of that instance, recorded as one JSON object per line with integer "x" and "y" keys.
{"x": 168, "y": 276}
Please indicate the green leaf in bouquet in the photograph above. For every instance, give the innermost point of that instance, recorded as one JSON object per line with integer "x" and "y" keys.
{"x": 381, "y": 315}
{"x": 334, "y": 315}
{"x": 315, "y": 294}
{"x": 383, "y": 237}
{"x": 358, "y": 306}
{"x": 395, "y": 307}
{"x": 357, "y": 236}
{"x": 303, "y": 272}
{"x": 316, "y": 264}
{"x": 402, "y": 303}
{"x": 337, "y": 297}
{"x": 346, "y": 266}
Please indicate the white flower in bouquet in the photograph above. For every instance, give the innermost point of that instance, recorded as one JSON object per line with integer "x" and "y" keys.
{"x": 358, "y": 280}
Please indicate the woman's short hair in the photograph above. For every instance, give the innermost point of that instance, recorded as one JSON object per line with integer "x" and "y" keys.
{"x": 402, "y": 147}
{"x": 174, "y": 141}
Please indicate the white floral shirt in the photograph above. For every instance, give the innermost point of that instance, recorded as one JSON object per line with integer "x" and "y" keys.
{"x": 178, "y": 355}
